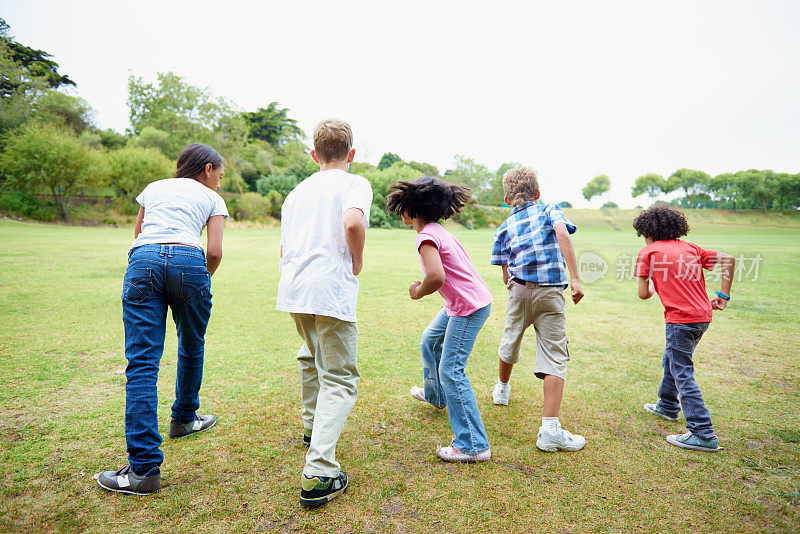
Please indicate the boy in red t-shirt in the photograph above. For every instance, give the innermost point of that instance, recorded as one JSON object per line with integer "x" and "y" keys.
{"x": 674, "y": 269}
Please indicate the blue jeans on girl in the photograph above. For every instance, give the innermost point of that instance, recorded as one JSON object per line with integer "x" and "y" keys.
{"x": 679, "y": 382}
{"x": 446, "y": 345}
{"x": 158, "y": 277}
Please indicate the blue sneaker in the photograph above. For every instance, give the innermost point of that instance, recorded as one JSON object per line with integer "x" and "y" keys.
{"x": 657, "y": 410}
{"x": 690, "y": 441}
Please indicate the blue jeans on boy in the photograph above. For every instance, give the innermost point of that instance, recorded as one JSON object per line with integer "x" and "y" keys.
{"x": 679, "y": 382}
{"x": 446, "y": 345}
{"x": 161, "y": 276}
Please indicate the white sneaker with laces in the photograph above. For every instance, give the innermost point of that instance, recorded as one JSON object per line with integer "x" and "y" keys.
{"x": 419, "y": 394}
{"x": 501, "y": 393}
{"x": 451, "y": 454}
{"x": 559, "y": 440}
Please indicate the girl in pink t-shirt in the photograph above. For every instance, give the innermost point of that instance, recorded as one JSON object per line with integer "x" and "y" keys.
{"x": 448, "y": 340}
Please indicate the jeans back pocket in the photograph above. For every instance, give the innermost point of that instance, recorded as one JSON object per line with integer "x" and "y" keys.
{"x": 137, "y": 285}
{"x": 195, "y": 287}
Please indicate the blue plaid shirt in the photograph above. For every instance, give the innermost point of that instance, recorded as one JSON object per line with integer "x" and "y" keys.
{"x": 527, "y": 243}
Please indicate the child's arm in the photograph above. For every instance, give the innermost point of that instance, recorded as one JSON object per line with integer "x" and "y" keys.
{"x": 646, "y": 288}
{"x": 355, "y": 235}
{"x": 727, "y": 263}
{"x": 565, "y": 243}
{"x": 434, "y": 272}
{"x": 505, "y": 273}
{"x": 214, "y": 242}
{"x": 137, "y": 228}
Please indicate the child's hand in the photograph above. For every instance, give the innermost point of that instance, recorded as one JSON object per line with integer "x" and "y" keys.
{"x": 577, "y": 291}
{"x": 357, "y": 266}
{"x": 718, "y": 303}
{"x": 412, "y": 289}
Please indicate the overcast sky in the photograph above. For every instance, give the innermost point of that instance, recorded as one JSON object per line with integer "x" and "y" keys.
{"x": 573, "y": 89}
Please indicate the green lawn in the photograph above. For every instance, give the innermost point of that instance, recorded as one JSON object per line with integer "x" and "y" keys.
{"x": 62, "y": 400}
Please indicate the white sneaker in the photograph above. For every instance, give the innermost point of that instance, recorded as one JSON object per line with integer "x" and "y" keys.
{"x": 451, "y": 454}
{"x": 501, "y": 393}
{"x": 559, "y": 440}
{"x": 418, "y": 393}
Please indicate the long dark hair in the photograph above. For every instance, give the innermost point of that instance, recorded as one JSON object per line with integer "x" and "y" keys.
{"x": 194, "y": 158}
{"x": 428, "y": 198}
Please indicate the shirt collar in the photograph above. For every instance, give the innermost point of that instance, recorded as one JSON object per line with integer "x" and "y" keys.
{"x": 524, "y": 205}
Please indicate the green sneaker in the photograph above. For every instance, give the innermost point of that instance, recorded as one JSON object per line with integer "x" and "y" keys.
{"x": 690, "y": 441}
{"x": 316, "y": 491}
{"x": 657, "y": 410}
{"x": 306, "y": 437}
{"x": 200, "y": 423}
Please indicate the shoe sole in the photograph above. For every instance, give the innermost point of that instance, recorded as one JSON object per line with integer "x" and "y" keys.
{"x": 426, "y": 402}
{"x": 465, "y": 460}
{"x": 319, "y": 501}
{"x": 556, "y": 448}
{"x": 692, "y": 447}
{"x": 661, "y": 415}
{"x": 212, "y": 425}
{"x": 499, "y": 403}
{"x": 119, "y": 490}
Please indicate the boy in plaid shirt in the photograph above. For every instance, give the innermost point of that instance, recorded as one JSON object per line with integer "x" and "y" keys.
{"x": 532, "y": 246}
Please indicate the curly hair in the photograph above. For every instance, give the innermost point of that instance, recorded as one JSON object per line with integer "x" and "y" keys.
{"x": 661, "y": 223}
{"x": 520, "y": 184}
{"x": 427, "y": 198}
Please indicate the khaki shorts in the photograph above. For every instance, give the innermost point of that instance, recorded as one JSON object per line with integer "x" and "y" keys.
{"x": 544, "y": 308}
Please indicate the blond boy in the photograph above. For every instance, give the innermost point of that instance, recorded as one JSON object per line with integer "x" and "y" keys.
{"x": 323, "y": 222}
{"x": 532, "y": 246}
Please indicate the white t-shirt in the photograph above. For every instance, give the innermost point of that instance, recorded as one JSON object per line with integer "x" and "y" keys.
{"x": 316, "y": 267}
{"x": 176, "y": 210}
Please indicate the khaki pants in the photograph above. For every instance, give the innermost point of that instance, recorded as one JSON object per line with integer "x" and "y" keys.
{"x": 544, "y": 308}
{"x": 328, "y": 377}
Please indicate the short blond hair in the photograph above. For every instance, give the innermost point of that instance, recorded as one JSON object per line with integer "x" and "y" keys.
{"x": 333, "y": 140}
{"x": 520, "y": 184}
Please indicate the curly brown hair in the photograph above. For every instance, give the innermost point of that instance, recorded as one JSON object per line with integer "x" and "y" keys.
{"x": 661, "y": 223}
{"x": 428, "y": 198}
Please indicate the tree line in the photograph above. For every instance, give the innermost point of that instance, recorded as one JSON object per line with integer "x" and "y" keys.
{"x": 51, "y": 149}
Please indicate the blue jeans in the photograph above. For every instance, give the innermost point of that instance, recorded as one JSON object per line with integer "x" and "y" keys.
{"x": 446, "y": 345}
{"x": 679, "y": 379}
{"x": 161, "y": 276}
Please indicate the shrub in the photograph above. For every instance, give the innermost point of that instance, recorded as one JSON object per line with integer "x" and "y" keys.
{"x": 282, "y": 183}
{"x": 131, "y": 168}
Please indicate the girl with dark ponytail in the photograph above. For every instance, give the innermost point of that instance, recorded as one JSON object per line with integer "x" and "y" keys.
{"x": 448, "y": 340}
{"x": 168, "y": 268}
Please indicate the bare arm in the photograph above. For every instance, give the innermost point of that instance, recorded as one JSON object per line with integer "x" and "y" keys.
{"x": 354, "y": 235}
{"x": 505, "y": 273}
{"x": 565, "y": 244}
{"x": 434, "y": 272}
{"x": 137, "y": 228}
{"x": 646, "y": 289}
{"x": 214, "y": 242}
{"x": 728, "y": 264}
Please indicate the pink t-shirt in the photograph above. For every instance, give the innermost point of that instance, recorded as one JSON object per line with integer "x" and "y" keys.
{"x": 463, "y": 291}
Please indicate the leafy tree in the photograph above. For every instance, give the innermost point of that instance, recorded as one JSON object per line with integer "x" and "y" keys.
{"x": 187, "y": 114}
{"x": 609, "y": 204}
{"x": 787, "y": 190}
{"x": 63, "y": 110}
{"x": 131, "y": 168}
{"x": 273, "y": 125}
{"x": 32, "y": 65}
{"x": 597, "y": 186}
{"x": 495, "y": 194}
{"x": 650, "y": 183}
{"x": 725, "y": 187}
{"x": 111, "y": 139}
{"x": 468, "y": 172}
{"x": 387, "y": 160}
{"x": 281, "y": 183}
{"x": 45, "y": 158}
{"x": 690, "y": 181}
{"x": 425, "y": 168}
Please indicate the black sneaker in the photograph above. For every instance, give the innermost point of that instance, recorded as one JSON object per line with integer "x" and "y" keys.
{"x": 317, "y": 491}
{"x": 306, "y": 437}
{"x": 126, "y": 481}
{"x": 200, "y": 423}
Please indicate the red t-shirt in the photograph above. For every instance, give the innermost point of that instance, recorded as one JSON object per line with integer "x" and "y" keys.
{"x": 676, "y": 268}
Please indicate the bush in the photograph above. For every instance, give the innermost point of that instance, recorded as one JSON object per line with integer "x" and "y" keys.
{"x": 282, "y": 183}
{"x": 608, "y": 205}
{"x": 20, "y": 204}
{"x": 255, "y": 207}
{"x": 131, "y": 168}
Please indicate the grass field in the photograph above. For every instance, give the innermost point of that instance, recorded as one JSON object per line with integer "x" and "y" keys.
{"x": 62, "y": 400}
